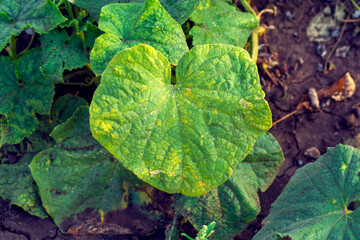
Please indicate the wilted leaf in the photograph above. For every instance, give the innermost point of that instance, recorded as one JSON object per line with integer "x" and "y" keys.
{"x": 234, "y": 204}
{"x": 16, "y": 15}
{"x": 127, "y": 25}
{"x": 25, "y": 92}
{"x": 219, "y": 22}
{"x": 85, "y": 190}
{"x": 17, "y": 185}
{"x": 61, "y": 52}
{"x": 315, "y": 203}
{"x": 185, "y": 137}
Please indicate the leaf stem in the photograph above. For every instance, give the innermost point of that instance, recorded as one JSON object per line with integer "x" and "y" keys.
{"x": 29, "y": 45}
{"x": 247, "y": 7}
{"x": 13, "y": 53}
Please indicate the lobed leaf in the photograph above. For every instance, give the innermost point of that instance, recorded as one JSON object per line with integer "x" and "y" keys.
{"x": 127, "y": 25}
{"x": 219, "y": 22}
{"x": 16, "y": 15}
{"x": 61, "y": 52}
{"x": 187, "y": 137}
{"x": 85, "y": 190}
{"x": 25, "y": 92}
{"x": 235, "y": 203}
{"x": 315, "y": 203}
{"x": 179, "y": 10}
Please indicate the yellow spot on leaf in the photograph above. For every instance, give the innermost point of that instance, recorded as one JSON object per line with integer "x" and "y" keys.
{"x": 158, "y": 122}
{"x": 201, "y": 142}
{"x": 188, "y": 92}
{"x": 242, "y": 101}
{"x": 201, "y": 183}
{"x": 343, "y": 167}
{"x": 105, "y": 127}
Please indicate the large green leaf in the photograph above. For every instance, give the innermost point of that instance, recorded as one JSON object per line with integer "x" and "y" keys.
{"x": 24, "y": 92}
{"x": 315, "y": 203}
{"x": 219, "y": 22}
{"x": 17, "y": 185}
{"x": 127, "y": 25}
{"x": 16, "y": 15}
{"x": 61, "y": 52}
{"x": 185, "y": 137}
{"x": 179, "y": 10}
{"x": 234, "y": 204}
{"x": 85, "y": 190}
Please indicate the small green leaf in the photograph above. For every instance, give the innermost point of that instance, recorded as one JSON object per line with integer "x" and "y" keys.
{"x": 219, "y": 22}
{"x": 61, "y": 52}
{"x": 91, "y": 32}
{"x": 16, "y": 15}
{"x": 234, "y": 204}
{"x": 25, "y": 92}
{"x": 85, "y": 190}
{"x": 17, "y": 185}
{"x": 179, "y": 10}
{"x": 186, "y": 137}
{"x": 127, "y": 25}
{"x": 315, "y": 203}
{"x": 65, "y": 106}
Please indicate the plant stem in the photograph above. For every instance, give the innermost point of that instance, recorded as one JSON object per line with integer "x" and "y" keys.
{"x": 247, "y": 7}
{"x": 59, "y": 3}
{"x": 13, "y": 53}
{"x": 29, "y": 45}
{"x": 355, "y": 4}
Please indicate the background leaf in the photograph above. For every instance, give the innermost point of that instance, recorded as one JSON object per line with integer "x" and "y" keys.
{"x": 186, "y": 137}
{"x": 235, "y": 203}
{"x": 16, "y": 15}
{"x": 17, "y": 185}
{"x": 86, "y": 190}
{"x": 127, "y": 25}
{"x": 25, "y": 92}
{"x": 219, "y": 22}
{"x": 61, "y": 52}
{"x": 315, "y": 203}
{"x": 179, "y": 10}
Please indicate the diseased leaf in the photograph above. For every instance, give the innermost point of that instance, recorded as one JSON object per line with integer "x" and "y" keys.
{"x": 219, "y": 22}
{"x": 179, "y": 10}
{"x": 234, "y": 204}
{"x": 183, "y": 138}
{"x": 61, "y": 52}
{"x": 24, "y": 92}
{"x": 315, "y": 203}
{"x": 16, "y": 15}
{"x": 127, "y": 25}
{"x": 85, "y": 190}
{"x": 17, "y": 185}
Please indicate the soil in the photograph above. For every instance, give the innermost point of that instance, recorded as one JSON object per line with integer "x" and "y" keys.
{"x": 285, "y": 84}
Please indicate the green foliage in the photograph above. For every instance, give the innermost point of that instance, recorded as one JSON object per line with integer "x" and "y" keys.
{"x": 78, "y": 177}
{"x": 315, "y": 203}
{"x": 179, "y": 10}
{"x": 219, "y": 22}
{"x": 163, "y": 117}
{"x": 204, "y": 232}
{"x": 61, "y": 52}
{"x": 189, "y": 135}
{"x": 234, "y": 204}
{"x": 25, "y": 91}
{"x": 127, "y": 25}
{"x": 16, "y": 15}
{"x": 16, "y": 184}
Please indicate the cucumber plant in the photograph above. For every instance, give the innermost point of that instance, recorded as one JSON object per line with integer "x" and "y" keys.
{"x": 177, "y": 110}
